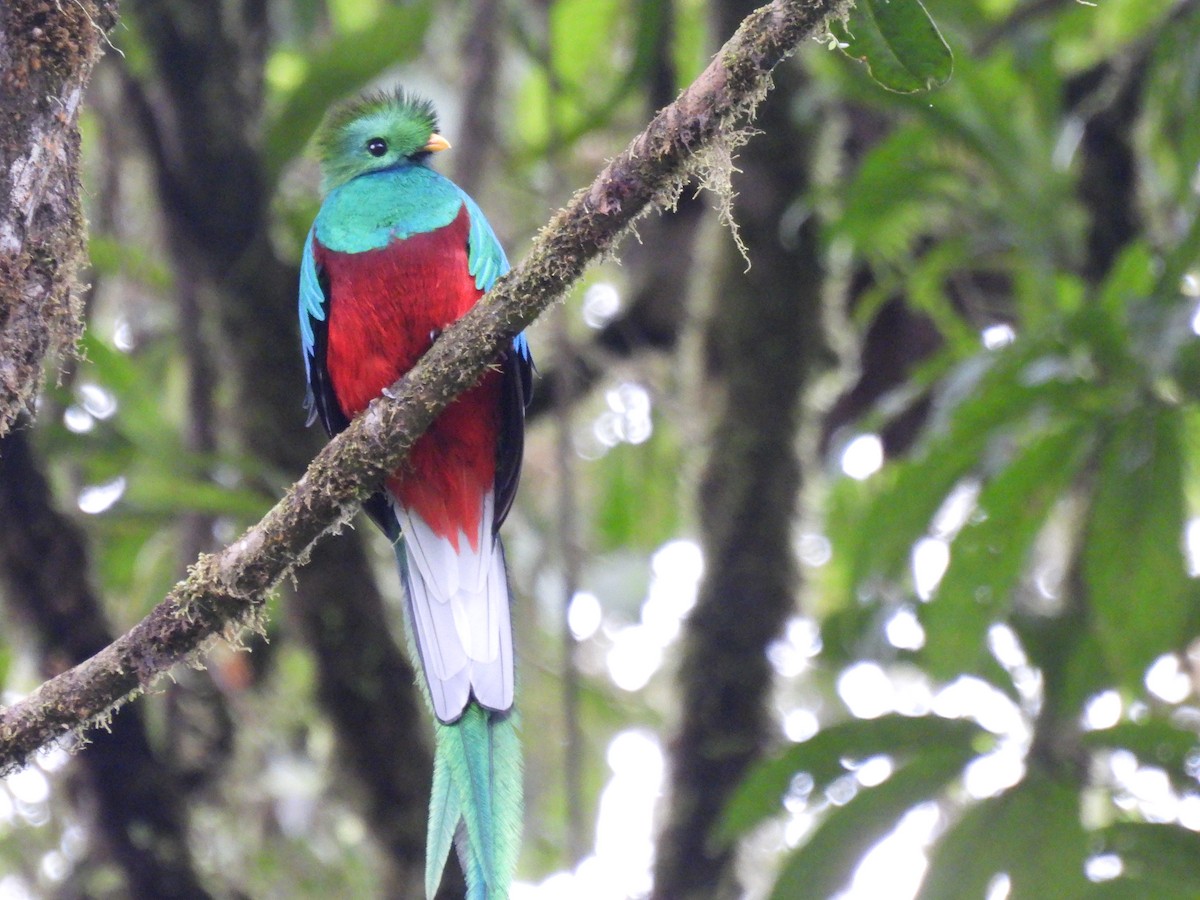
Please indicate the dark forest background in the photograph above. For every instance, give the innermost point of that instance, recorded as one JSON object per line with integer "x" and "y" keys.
{"x": 893, "y": 511}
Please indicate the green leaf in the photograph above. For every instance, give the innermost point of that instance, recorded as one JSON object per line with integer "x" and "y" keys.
{"x": 587, "y": 82}
{"x": 927, "y": 288}
{"x": 899, "y": 42}
{"x": 346, "y": 64}
{"x": 1082, "y": 35}
{"x": 1155, "y": 742}
{"x": 1170, "y": 95}
{"x": 582, "y": 37}
{"x": 1163, "y": 860}
{"x": 981, "y": 398}
{"x": 828, "y": 858}
{"x": 822, "y": 756}
{"x": 153, "y": 489}
{"x": 988, "y": 557}
{"x": 894, "y": 194}
{"x": 1133, "y": 564}
{"x": 119, "y": 554}
{"x": 142, "y": 419}
{"x": 689, "y": 48}
{"x": 110, "y": 256}
{"x": 1070, "y": 657}
{"x": 1131, "y": 278}
{"x": 1031, "y": 832}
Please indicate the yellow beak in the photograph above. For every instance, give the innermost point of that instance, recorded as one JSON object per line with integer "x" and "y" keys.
{"x": 436, "y": 143}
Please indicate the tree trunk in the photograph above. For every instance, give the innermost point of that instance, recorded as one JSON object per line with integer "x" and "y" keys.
{"x": 763, "y": 341}
{"x": 132, "y": 799}
{"x": 47, "y": 51}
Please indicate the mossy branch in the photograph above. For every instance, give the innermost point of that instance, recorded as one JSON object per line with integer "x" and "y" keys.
{"x": 226, "y": 590}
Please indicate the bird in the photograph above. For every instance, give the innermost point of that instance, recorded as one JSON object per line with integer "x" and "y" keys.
{"x": 396, "y": 254}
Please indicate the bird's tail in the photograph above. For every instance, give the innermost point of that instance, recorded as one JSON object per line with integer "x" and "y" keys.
{"x": 476, "y": 802}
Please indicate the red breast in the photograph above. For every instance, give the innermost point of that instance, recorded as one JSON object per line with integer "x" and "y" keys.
{"x": 384, "y": 307}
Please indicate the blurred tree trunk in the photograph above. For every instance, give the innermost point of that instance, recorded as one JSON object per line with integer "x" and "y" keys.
{"x": 131, "y": 798}
{"x": 1109, "y": 99}
{"x": 763, "y": 341}
{"x": 46, "y": 58}
{"x": 481, "y": 66}
{"x": 200, "y": 115}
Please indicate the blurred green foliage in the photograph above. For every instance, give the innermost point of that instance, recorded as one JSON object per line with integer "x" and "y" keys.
{"x": 1067, "y": 447}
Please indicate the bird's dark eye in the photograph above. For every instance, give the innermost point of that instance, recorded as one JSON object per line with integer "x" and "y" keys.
{"x": 377, "y": 146}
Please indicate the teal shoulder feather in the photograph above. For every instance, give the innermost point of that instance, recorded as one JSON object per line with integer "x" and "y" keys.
{"x": 485, "y": 259}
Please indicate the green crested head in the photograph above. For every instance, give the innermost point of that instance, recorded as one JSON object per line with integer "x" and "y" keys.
{"x": 376, "y": 131}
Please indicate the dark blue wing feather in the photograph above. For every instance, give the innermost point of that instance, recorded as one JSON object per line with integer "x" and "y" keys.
{"x": 517, "y": 391}
{"x": 487, "y": 262}
{"x": 319, "y": 398}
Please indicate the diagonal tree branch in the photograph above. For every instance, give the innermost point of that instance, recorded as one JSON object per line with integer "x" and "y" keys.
{"x": 225, "y": 589}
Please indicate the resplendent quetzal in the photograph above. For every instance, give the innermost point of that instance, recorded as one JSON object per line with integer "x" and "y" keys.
{"x": 397, "y": 253}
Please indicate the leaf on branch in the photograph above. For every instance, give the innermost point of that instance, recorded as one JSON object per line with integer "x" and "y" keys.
{"x": 899, "y": 42}
{"x": 1031, "y": 834}
{"x": 989, "y": 555}
{"x": 818, "y": 869}
{"x": 759, "y": 796}
{"x": 1134, "y": 552}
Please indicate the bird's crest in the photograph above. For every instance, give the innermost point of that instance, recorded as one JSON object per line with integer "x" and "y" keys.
{"x": 375, "y": 131}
